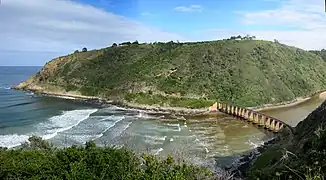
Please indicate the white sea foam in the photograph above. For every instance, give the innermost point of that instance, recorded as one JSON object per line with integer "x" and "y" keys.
{"x": 173, "y": 125}
{"x": 12, "y": 140}
{"x": 63, "y": 122}
{"x": 50, "y": 128}
{"x": 127, "y": 126}
{"x": 65, "y": 97}
{"x": 158, "y": 151}
{"x": 154, "y": 139}
{"x": 206, "y": 149}
{"x": 144, "y": 115}
{"x": 115, "y": 119}
{"x": 5, "y": 87}
{"x": 111, "y": 118}
{"x": 157, "y": 138}
{"x": 254, "y": 144}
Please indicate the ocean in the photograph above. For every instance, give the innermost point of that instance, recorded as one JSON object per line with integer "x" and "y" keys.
{"x": 65, "y": 122}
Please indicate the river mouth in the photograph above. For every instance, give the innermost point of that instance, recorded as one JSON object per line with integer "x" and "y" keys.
{"x": 200, "y": 141}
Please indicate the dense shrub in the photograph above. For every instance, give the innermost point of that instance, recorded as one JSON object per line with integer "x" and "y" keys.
{"x": 39, "y": 160}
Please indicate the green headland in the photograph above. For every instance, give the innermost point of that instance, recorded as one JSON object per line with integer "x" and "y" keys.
{"x": 192, "y": 75}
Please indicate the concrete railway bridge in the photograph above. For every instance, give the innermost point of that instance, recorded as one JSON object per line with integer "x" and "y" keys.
{"x": 258, "y": 118}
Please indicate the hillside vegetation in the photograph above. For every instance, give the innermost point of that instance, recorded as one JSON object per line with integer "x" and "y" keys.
{"x": 241, "y": 72}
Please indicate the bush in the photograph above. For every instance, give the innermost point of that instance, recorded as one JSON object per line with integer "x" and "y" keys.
{"x": 91, "y": 162}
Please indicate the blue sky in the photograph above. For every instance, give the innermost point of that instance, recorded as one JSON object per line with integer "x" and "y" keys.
{"x": 38, "y": 30}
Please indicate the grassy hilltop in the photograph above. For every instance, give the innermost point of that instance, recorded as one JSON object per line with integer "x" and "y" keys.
{"x": 242, "y": 72}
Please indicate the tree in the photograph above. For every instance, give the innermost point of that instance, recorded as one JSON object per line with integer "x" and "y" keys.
{"x": 238, "y": 37}
{"x": 76, "y": 51}
{"x": 232, "y": 37}
{"x": 84, "y": 49}
{"x": 135, "y": 42}
{"x": 126, "y": 43}
{"x": 114, "y": 45}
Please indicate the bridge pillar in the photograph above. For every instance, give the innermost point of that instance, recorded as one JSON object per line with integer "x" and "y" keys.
{"x": 245, "y": 114}
{"x": 272, "y": 127}
{"x": 240, "y": 112}
{"x": 224, "y": 108}
{"x": 267, "y": 123}
{"x": 236, "y": 111}
{"x": 220, "y": 106}
{"x": 256, "y": 119}
{"x": 213, "y": 107}
{"x": 277, "y": 126}
{"x": 251, "y": 116}
{"x": 232, "y": 110}
{"x": 262, "y": 120}
{"x": 281, "y": 126}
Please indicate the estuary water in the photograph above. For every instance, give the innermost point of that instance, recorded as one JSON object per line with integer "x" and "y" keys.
{"x": 65, "y": 122}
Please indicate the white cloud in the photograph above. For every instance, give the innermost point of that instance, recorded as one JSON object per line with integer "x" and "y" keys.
{"x": 62, "y": 26}
{"x": 191, "y": 8}
{"x": 308, "y": 18}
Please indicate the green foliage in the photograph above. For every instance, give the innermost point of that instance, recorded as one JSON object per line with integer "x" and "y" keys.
{"x": 146, "y": 98}
{"x": 242, "y": 72}
{"x": 321, "y": 53}
{"x": 91, "y": 162}
{"x": 300, "y": 157}
{"x": 84, "y": 49}
{"x": 125, "y": 43}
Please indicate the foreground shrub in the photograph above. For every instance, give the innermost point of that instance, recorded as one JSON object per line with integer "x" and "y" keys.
{"x": 39, "y": 160}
